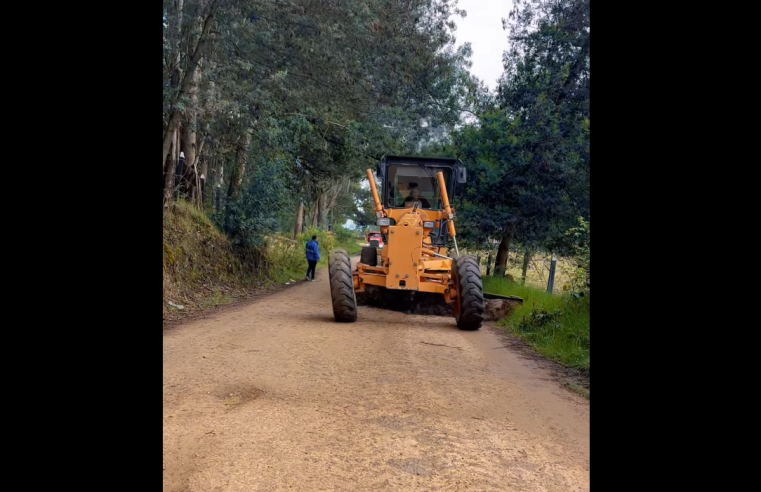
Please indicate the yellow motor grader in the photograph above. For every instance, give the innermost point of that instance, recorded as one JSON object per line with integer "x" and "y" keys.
{"x": 416, "y": 221}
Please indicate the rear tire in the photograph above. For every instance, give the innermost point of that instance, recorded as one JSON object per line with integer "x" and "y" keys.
{"x": 333, "y": 253}
{"x": 342, "y": 287}
{"x": 369, "y": 256}
{"x": 469, "y": 306}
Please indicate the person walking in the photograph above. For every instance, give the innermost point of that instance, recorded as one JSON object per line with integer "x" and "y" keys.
{"x": 313, "y": 256}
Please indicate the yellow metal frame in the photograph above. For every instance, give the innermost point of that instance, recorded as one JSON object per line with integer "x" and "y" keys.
{"x": 409, "y": 261}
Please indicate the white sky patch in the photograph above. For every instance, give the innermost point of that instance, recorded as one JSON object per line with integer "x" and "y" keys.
{"x": 482, "y": 28}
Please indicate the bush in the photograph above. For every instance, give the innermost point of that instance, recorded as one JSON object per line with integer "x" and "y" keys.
{"x": 325, "y": 240}
{"x": 285, "y": 256}
{"x": 580, "y": 236}
{"x": 251, "y": 216}
{"x": 342, "y": 234}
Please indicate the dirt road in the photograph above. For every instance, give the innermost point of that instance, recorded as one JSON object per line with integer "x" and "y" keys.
{"x": 277, "y": 396}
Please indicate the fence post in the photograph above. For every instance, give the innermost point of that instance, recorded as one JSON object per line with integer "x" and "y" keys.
{"x": 488, "y": 264}
{"x": 551, "y": 280}
{"x": 526, "y": 258}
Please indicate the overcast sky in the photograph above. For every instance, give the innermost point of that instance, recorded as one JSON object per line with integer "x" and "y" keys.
{"x": 482, "y": 28}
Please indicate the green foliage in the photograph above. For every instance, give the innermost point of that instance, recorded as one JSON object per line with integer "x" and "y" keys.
{"x": 562, "y": 335}
{"x": 286, "y": 259}
{"x": 364, "y": 208}
{"x": 555, "y": 326}
{"x": 201, "y": 267}
{"x": 580, "y": 237}
{"x": 528, "y": 155}
{"x": 346, "y": 239}
{"x": 342, "y": 234}
{"x": 249, "y": 217}
{"x": 324, "y": 88}
{"x": 351, "y": 246}
{"x": 325, "y": 240}
{"x": 530, "y": 295}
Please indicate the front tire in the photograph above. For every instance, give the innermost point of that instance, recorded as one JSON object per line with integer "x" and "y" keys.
{"x": 342, "y": 287}
{"x": 469, "y": 306}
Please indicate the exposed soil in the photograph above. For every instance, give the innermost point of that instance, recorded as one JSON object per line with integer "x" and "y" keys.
{"x": 273, "y": 394}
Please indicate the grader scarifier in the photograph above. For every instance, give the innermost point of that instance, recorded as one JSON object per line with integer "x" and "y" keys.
{"x": 415, "y": 217}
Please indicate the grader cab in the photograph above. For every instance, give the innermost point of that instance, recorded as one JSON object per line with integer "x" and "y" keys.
{"x": 416, "y": 220}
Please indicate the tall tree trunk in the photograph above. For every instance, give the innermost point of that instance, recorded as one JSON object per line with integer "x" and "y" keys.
{"x": 200, "y": 177}
{"x": 526, "y": 259}
{"x": 219, "y": 175}
{"x": 176, "y": 75}
{"x": 171, "y": 127}
{"x": 239, "y": 169}
{"x": 187, "y": 179}
{"x": 188, "y": 144}
{"x": 169, "y": 172}
{"x": 179, "y": 159}
{"x": 196, "y": 195}
{"x": 299, "y": 220}
{"x": 335, "y": 191}
{"x": 315, "y": 209}
{"x": 500, "y": 265}
{"x": 169, "y": 167}
{"x": 188, "y": 78}
{"x": 174, "y": 80}
{"x": 203, "y": 175}
{"x": 321, "y": 203}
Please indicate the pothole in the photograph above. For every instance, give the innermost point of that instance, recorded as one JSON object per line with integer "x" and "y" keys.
{"x": 236, "y": 395}
{"x": 413, "y": 466}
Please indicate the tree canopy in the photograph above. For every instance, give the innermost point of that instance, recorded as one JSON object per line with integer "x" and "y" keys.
{"x": 528, "y": 154}
{"x": 279, "y": 106}
{"x": 291, "y": 101}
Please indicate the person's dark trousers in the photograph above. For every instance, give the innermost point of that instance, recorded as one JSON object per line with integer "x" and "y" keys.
{"x": 310, "y": 270}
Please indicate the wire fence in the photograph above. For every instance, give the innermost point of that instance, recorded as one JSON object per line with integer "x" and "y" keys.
{"x": 538, "y": 269}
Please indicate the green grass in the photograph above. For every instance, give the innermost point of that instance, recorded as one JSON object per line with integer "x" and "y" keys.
{"x": 281, "y": 275}
{"x": 216, "y": 298}
{"x": 351, "y": 246}
{"x": 555, "y": 326}
{"x": 293, "y": 265}
{"x": 202, "y": 269}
